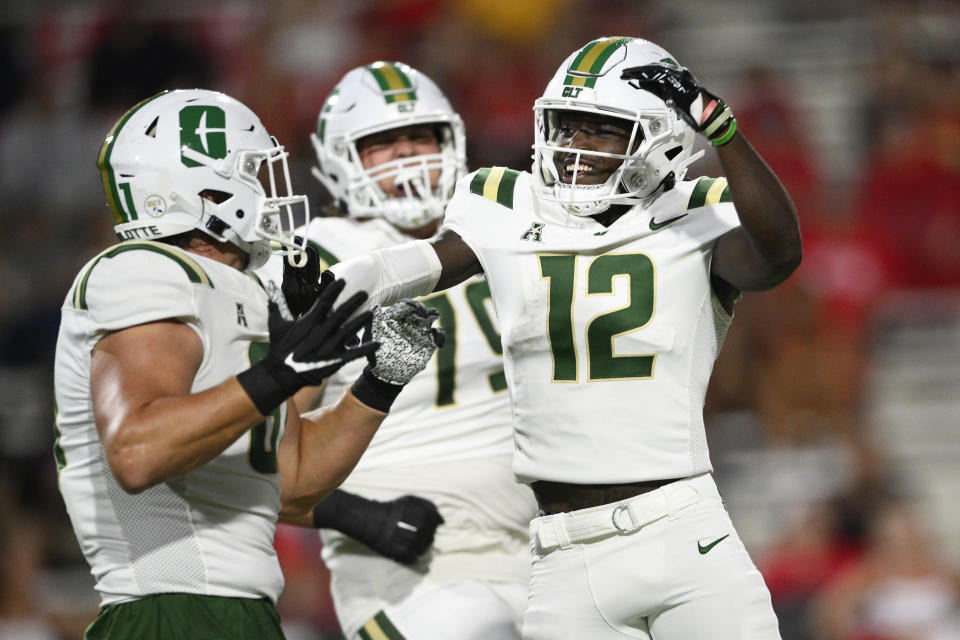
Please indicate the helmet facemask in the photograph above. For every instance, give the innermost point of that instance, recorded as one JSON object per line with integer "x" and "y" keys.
{"x": 653, "y": 166}
{"x": 660, "y": 143}
{"x": 272, "y": 230}
{"x": 418, "y": 202}
{"x": 376, "y": 99}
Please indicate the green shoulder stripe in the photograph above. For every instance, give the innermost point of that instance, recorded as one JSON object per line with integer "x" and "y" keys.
{"x": 327, "y": 259}
{"x": 495, "y": 183}
{"x": 256, "y": 279}
{"x": 379, "y": 627}
{"x": 189, "y": 266}
{"x": 709, "y": 191}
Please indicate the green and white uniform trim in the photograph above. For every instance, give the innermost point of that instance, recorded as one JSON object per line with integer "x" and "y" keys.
{"x": 193, "y": 270}
{"x": 107, "y": 173}
{"x": 709, "y": 191}
{"x": 379, "y": 627}
{"x": 495, "y": 184}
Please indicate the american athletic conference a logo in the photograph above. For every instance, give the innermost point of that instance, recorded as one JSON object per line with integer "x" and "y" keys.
{"x": 203, "y": 129}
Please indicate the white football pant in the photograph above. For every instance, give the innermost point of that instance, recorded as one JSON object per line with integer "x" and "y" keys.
{"x": 462, "y": 609}
{"x": 664, "y": 565}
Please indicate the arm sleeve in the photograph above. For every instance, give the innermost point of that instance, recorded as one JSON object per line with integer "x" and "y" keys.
{"x": 408, "y": 270}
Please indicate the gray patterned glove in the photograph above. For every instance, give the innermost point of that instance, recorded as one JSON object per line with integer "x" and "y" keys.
{"x": 407, "y": 340}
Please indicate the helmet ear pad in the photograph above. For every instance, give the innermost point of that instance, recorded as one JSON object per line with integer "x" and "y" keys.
{"x": 652, "y": 170}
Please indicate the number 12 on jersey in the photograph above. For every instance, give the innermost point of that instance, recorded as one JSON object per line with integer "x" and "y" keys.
{"x": 560, "y": 272}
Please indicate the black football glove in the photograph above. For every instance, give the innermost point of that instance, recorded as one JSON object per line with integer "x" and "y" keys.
{"x": 307, "y": 350}
{"x": 401, "y": 529}
{"x": 301, "y": 285}
{"x": 676, "y": 86}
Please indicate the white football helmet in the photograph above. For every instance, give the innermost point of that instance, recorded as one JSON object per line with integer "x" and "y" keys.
{"x": 589, "y": 80}
{"x": 166, "y": 150}
{"x": 375, "y": 98}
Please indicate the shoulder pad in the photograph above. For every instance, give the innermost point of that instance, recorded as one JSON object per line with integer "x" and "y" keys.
{"x": 495, "y": 183}
{"x": 709, "y": 191}
{"x": 194, "y": 271}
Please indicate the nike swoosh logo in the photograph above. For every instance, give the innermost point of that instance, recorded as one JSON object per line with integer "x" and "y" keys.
{"x": 301, "y": 367}
{"x": 706, "y": 548}
{"x": 656, "y": 226}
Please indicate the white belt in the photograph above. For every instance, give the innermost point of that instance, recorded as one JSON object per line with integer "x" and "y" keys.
{"x": 562, "y": 530}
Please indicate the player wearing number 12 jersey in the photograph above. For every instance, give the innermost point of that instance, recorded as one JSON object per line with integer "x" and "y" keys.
{"x": 614, "y": 281}
{"x": 390, "y": 149}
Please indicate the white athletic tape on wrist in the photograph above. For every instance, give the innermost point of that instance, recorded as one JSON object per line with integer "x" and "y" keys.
{"x": 408, "y": 270}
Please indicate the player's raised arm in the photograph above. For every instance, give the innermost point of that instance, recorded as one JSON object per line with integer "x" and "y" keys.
{"x": 765, "y": 249}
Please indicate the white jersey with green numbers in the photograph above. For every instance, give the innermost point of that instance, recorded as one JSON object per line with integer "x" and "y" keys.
{"x": 209, "y": 531}
{"x": 609, "y": 334}
{"x": 448, "y": 438}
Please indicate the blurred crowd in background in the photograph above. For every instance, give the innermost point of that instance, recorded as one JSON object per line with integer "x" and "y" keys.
{"x": 834, "y": 410}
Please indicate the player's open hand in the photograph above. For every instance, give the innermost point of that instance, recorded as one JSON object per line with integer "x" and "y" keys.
{"x": 307, "y": 350}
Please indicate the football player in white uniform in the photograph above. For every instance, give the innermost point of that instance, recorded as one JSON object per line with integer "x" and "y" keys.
{"x": 390, "y": 149}
{"x": 614, "y": 280}
{"x": 176, "y": 450}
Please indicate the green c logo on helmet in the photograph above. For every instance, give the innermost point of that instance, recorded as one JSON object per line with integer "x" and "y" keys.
{"x": 203, "y": 129}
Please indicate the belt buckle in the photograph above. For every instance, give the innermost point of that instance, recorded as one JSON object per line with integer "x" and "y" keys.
{"x": 617, "y": 510}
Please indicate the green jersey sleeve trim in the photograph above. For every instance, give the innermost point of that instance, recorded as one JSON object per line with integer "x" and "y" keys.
{"x": 193, "y": 270}
{"x": 495, "y": 183}
{"x": 709, "y": 191}
{"x": 379, "y": 627}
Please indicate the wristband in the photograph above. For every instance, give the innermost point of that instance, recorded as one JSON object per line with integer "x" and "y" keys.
{"x": 726, "y": 137}
{"x": 374, "y": 392}
{"x": 720, "y": 125}
{"x": 342, "y": 511}
{"x": 268, "y": 386}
